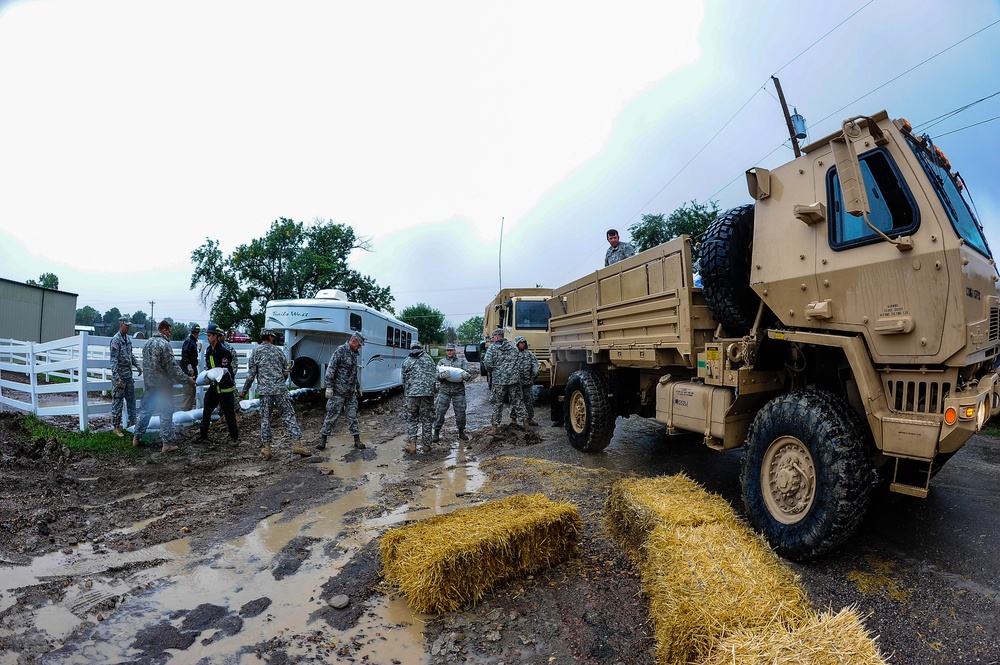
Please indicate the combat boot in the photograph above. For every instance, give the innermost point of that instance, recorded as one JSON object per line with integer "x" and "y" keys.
{"x": 425, "y": 447}
{"x": 493, "y": 429}
{"x": 411, "y": 445}
{"x": 118, "y": 431}
{"x": 462, "y": 435}
{"x": 168, "y": 448}
{"x": 436, "y": 436}
{"x": 357, "y": 442}
{"x": 135, "y": 441}
{"x": 299, "y": 450}
{"x": 265, "y": 452}
{"x": 322, "y": 442}
{"x": 532, "y": 422}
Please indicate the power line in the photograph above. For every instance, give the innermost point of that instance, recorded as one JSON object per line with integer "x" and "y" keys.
{"x": 982, "y": 122}
{"x": 924, "y": 126}
{"x": 825, "y": 35}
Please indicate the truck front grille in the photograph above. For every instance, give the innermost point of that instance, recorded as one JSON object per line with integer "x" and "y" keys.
{"x": 918, "y": 396}
{"x": 995, "y": 324}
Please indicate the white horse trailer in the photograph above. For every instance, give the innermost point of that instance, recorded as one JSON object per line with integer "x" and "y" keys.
{"x": 315, "y": 327}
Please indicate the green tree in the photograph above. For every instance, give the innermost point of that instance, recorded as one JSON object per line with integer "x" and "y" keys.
{"x": 111, "y": 318}
{"x": 87, "y": 316}
{"x": 47, "y": 280}
{"x": 428, "y": 321}
{"x": 140, "y": 319}
{"x": 292, "y": 261}
{"x": 692, "y": 218}
{"x": 471, "y": 331}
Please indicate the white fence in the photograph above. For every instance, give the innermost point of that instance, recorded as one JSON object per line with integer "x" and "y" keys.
{"x": 73, "y": 368}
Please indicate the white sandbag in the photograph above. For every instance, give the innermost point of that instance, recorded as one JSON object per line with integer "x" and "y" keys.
{"x": 452, "y": 374}
{"x": 209, "y": 376}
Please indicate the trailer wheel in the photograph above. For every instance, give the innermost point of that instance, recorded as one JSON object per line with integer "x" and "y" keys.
{"x": 589, "y": 418}
{"x": 304, "y": 372}
{"x": 725, "y": 270}
{"x": 806, "y": 473}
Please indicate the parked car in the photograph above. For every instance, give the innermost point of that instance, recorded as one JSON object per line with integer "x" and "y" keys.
{"x": 237, "y": 337}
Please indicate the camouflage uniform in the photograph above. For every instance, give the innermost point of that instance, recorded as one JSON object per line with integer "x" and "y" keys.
{"x": 501, "y": 365}
{"x": 619, "y": 253}
{"x": 450, "y": 393}
{"x": 122, "y": 361}
{"x": 161, "y": 372}
{"x": 342, "y": 377}
{"x": 418, "y": 387}
{"x": 269, "y": 367}
{"x": 527, "y": 370}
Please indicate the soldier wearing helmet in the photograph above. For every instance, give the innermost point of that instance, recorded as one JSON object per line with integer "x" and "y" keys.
{"x": 269, "y": 367}
{"x": 527, "y": 370}
{"x": 122, "y": 362}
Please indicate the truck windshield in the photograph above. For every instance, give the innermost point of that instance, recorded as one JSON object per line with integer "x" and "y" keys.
{"x": 531, "y": 315}
{"x": 959, "y": 212}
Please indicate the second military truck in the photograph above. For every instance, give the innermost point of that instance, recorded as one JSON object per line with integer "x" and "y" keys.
{"x": 846, "y": 333}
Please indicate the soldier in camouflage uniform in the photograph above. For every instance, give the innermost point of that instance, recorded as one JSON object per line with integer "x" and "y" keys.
{"x": 527, "y": 370}
{"x": 501, "y": 365}
{"x": 269, "y": 367}
{"x": 343, "y": 388}
{"x": 162, "y": 372}
{"x": 122, "y": 361}
{"x": 618, "y": 251}
{"x": 451, "y": 393}
{"x": 418, "y": 388}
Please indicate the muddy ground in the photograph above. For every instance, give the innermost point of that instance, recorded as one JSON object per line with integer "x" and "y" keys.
{"x": 923, "y": 573}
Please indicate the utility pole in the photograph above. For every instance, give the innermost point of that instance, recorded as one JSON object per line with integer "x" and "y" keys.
{"x": 152, "y": 319}
{"x": 788, "y": 118}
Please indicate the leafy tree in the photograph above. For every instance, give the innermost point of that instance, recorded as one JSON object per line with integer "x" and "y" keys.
{"x": 428, "y": 321}
{"x": 692, "y": 218}
{"x": 450, "y": 336}
{"x": 111, "y": 318}
{"x": 292, "y": 261}
{"x": 471, "y": 330}
{"x": 48, "y": 280}
{"x": 87, "y": 316}
{"x": 140, "y": 318}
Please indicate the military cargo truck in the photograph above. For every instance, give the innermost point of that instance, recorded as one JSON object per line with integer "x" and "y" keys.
{"x": 845, "y": 333}
{"x": 521, "y": 312}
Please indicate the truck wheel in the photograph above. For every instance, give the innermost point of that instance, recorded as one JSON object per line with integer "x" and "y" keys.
{"x": 304, "y": 372}
{"x": 725, "y": 270}
{"x": 806, "y": 473}
{"x": 589, "y": 418}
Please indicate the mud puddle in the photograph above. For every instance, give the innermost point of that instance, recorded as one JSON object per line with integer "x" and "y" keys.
{"x": 222, "y": 603}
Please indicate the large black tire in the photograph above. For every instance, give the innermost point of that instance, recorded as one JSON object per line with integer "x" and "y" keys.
{"x": 587, "y": 411}
{"x": 726, "y": 254}
{"x": 807, "y": 473}
{"x": 304, "y": 372}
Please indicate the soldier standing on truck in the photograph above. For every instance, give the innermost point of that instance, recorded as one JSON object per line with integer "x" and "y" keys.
{"x": 527, "y": 370}
{"x": 619, "y": 251}
{"x": 450, "y": 393}
{"x": 501, "y": 365}
{"x": 343, "y": 388}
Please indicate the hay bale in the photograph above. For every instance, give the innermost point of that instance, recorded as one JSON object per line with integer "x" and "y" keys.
{"x": 446, "y": 561}
{"x": 705, "y": 581}
{"x": 636, "y": 506}
{"x": 827, "y": 639}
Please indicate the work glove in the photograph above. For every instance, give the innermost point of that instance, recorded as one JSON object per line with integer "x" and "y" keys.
{"x": 358, "y": 390}
{"x": 140, "y": 370}
{"x": 118, "y": 383}
{"x": 329, "y": 393}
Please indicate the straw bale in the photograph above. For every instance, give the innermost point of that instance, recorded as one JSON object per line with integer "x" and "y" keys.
{"x": 636, "y": 506}
{"x": 826, "y": 639}
{"x": 447, "y": 561}
{"x": 704, "y": 581}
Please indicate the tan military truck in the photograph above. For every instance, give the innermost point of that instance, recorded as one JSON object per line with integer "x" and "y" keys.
{"x": 846, "y": 331}
{"x": 521, "y": 312}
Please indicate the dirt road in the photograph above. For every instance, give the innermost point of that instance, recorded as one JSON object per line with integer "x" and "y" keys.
{"x": 214, "y": 556}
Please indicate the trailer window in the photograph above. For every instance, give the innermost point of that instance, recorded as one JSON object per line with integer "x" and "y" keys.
{"x": 388, "y": 335}
{"x": 893, "y": 211}
{"x": 531, "y": 315}
{"x": 409, "y": 339}
{"x": 356, "y": 322}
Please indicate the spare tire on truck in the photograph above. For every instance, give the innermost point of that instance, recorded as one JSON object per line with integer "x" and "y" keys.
{"x": 304, "y": 372}
{"x": 726, "y": 254}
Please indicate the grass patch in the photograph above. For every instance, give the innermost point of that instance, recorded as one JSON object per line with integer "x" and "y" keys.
{"x": 103, "y": 443}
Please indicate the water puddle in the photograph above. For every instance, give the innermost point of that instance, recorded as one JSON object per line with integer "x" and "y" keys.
{"x": 237, "y": 572}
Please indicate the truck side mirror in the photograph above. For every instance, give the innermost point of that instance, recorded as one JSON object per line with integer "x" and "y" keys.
{"x": 472, "y": 353}
{"x": 849, "y": 170}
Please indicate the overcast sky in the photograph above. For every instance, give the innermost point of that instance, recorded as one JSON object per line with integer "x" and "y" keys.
{"x": 130, "y": 131}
